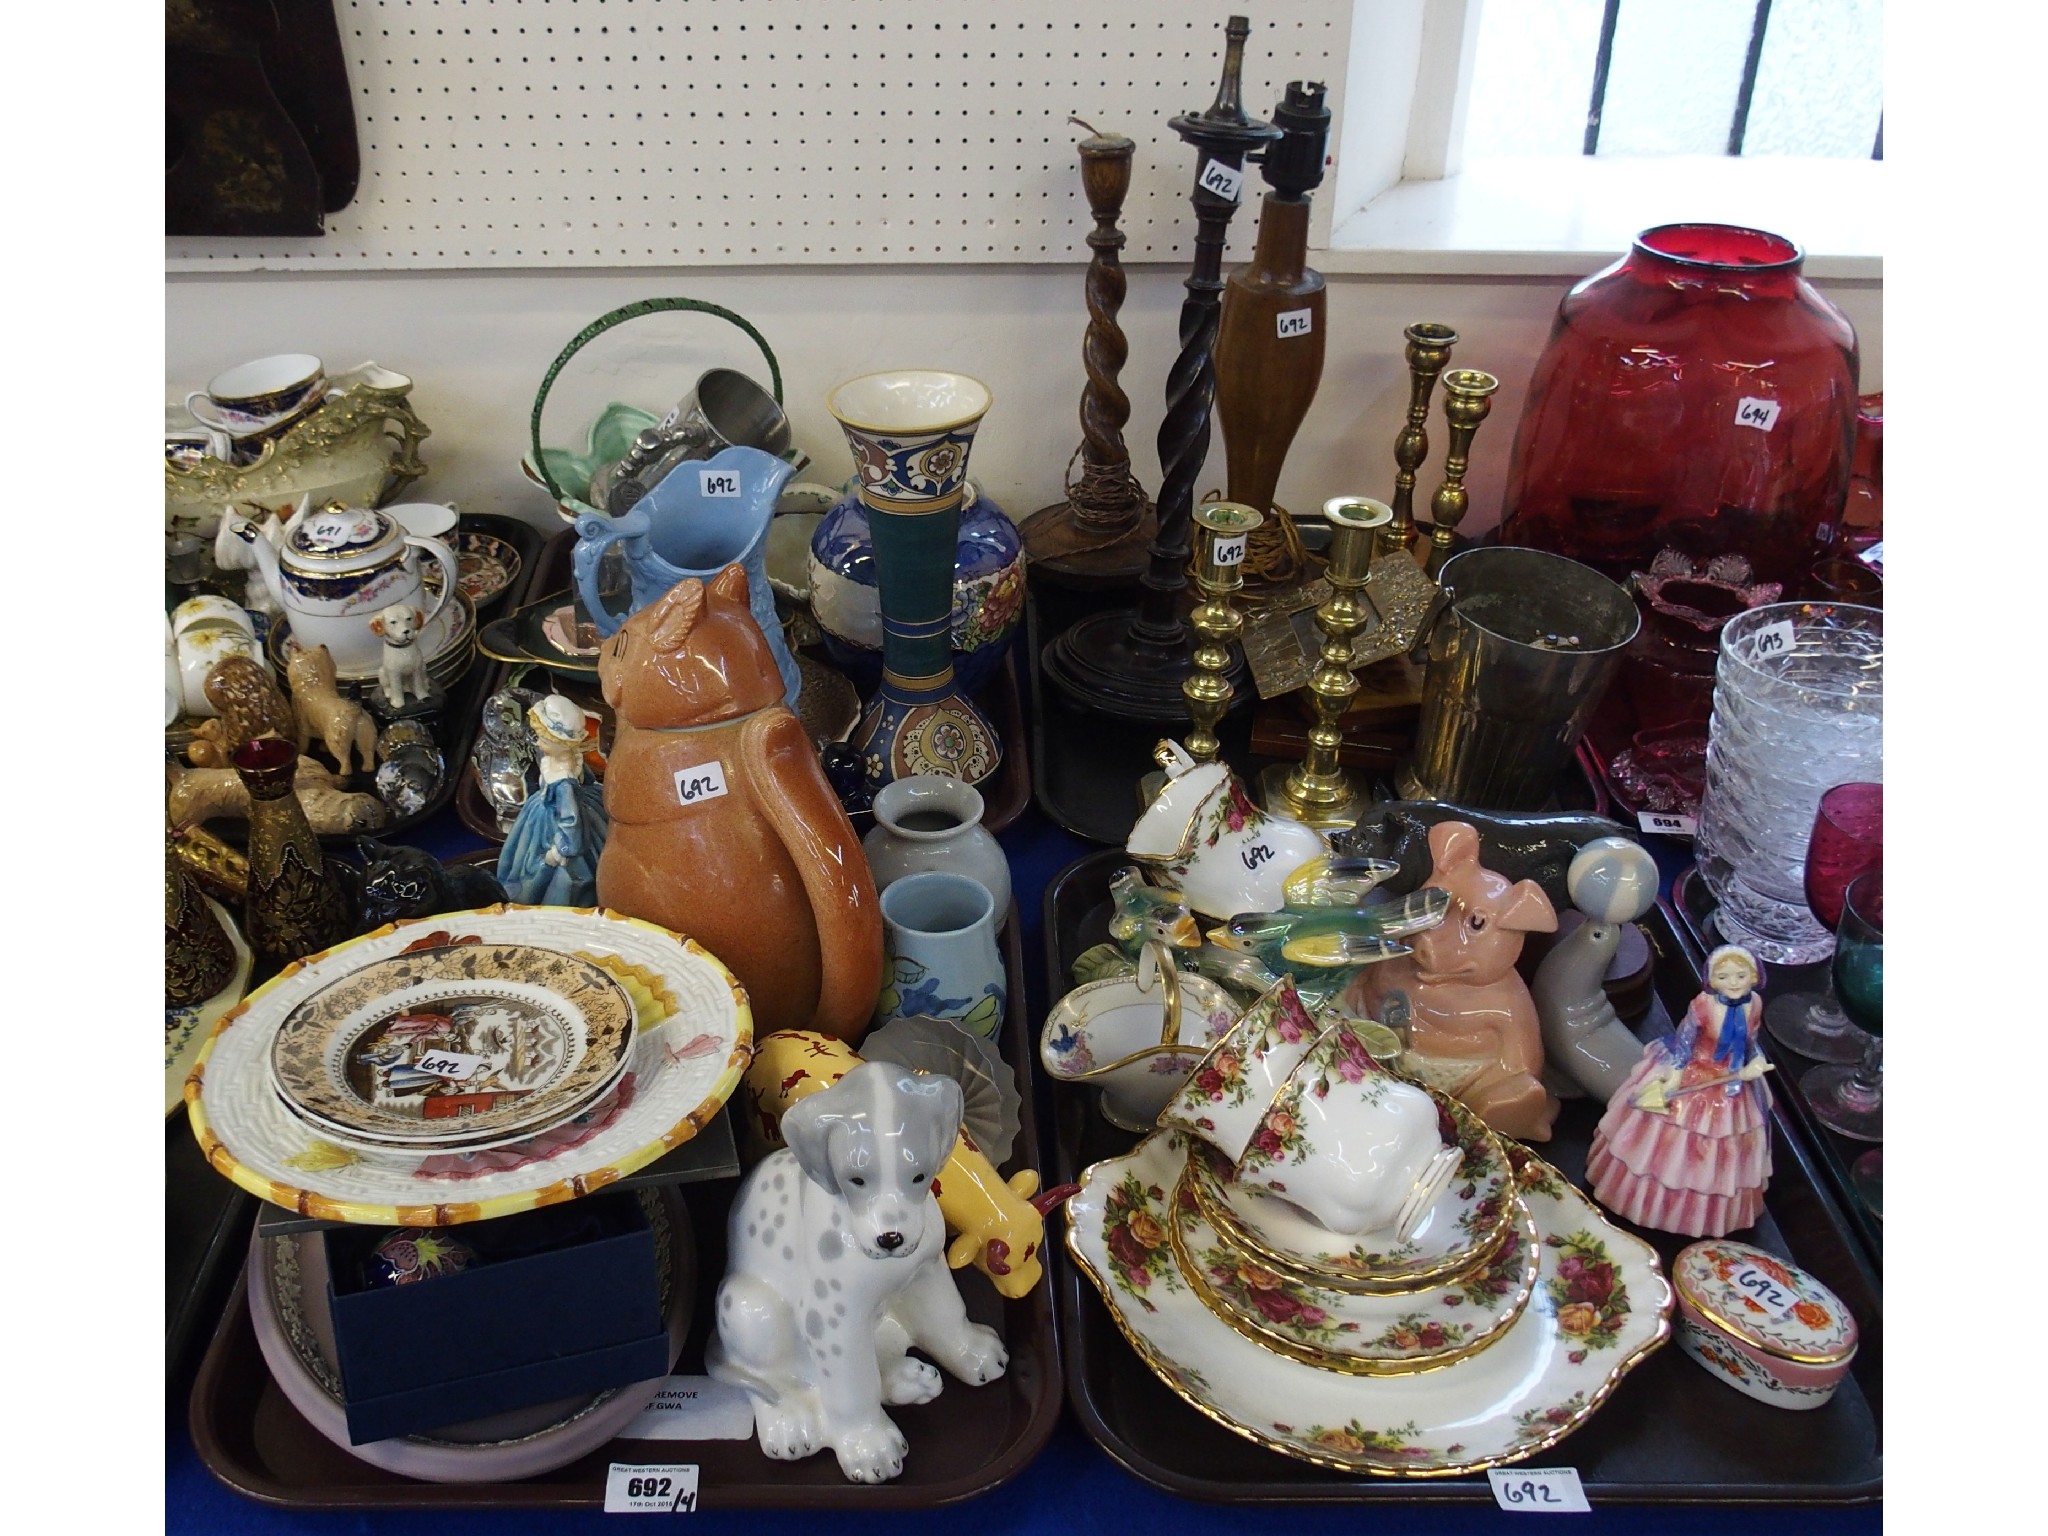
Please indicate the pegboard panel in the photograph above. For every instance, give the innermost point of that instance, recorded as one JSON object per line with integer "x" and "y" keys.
{"x": 607, "y": 133}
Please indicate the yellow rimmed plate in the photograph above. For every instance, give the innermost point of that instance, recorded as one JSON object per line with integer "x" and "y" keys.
{"x": 694, "y": 1040}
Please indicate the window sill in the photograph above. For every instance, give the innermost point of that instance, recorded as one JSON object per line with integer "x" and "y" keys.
{"x": 1569, "y": 217}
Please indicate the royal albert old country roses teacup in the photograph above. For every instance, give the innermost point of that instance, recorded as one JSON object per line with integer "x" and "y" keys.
{"x": 1204, "y": 835}
{"x": 1230, "y": 1089}
{"x": 1355, "y": 1147}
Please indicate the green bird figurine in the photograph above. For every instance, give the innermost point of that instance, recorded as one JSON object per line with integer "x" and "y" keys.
{"x": 1332, "y": 938}
{"x": 1147, "y": 912}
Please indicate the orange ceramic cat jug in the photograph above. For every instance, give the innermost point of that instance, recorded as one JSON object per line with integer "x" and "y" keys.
{"x": 722, "y": 825}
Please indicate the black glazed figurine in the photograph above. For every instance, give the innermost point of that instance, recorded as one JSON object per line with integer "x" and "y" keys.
{"x": 399, "y": 883}
{"x": 1522, "y": 845}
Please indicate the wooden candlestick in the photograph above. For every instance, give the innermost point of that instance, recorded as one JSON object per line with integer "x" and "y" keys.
{"x": 1096, "y": 535}
{"x": 1132, "y": 664}
{"x": 1269, "y": 347}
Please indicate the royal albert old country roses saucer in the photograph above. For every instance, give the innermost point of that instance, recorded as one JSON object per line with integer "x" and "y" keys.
{"x": 694, "y": 1038}
{"x": 1343, "y": 1331}
{"x": 1600, "y": 1305}
{"x": 462, "y": 1044}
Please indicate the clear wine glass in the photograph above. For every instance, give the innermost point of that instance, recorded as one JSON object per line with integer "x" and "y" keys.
{"x": 1850, "y": 1099}
{"x": 1848, "y": 840}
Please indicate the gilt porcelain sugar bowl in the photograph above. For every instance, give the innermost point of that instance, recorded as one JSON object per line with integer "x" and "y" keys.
{"x": 1203, "y": 836}
{"x": 1137, "y": 1038}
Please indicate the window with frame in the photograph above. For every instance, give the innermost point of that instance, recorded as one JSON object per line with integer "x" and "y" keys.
{"x": 1493, "y": 135}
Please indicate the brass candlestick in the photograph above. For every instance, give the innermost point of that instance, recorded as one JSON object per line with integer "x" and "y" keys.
{"x": 1429, "y": 352}
{"x": 1318, "y": 790}
{"x": 1223, "y": 532}
{"x": 1468, "y": 396}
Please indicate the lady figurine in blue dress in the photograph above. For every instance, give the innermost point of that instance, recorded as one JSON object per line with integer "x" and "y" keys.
{"x": 550, "y": 858}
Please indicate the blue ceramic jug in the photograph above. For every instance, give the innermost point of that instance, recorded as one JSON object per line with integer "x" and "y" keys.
{"x": 703, "y": 516}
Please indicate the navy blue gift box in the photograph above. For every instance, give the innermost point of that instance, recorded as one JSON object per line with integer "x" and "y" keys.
{"x": 558, "y": 1302}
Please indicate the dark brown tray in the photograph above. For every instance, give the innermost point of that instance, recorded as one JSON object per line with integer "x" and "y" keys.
{"x": 1670, "y": 1435}
{"x": 966, "y": 1442}
{"x": 1693, "y": 905}
{"x": 1003, "y": 798}
{"x": 206, "y": 1234}
{"x": 1086, "y": 767}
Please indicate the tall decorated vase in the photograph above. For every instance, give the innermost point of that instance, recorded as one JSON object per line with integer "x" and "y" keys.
{"x": 1695, "y": 400}
{"x": 910, "y": 432}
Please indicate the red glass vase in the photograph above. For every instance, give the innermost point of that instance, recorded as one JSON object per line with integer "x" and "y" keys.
{"x": 1698, "y": 396}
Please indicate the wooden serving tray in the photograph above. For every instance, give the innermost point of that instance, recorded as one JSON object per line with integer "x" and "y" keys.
{"x": 966, "y": 1442}
{"x": 1671, "y": 1434}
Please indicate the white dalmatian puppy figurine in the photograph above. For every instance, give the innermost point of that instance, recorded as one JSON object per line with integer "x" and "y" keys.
{"x": 837, "y": 1268}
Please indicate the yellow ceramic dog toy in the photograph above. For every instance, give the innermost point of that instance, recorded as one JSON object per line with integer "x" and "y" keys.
{"x": 995, "y": 1221}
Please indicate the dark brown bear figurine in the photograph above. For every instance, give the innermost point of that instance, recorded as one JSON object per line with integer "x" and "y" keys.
{"x": 722, "y": 825}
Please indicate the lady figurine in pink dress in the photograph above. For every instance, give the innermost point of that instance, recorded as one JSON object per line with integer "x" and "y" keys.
{"x": 1685, "y": 1145}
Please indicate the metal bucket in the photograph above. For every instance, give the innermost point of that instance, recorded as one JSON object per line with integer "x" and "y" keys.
{"x": 1523, "y": 648}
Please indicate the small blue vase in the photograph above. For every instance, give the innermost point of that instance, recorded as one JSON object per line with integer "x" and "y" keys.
{"x": 988, "y": 590}
{"x": 941, "y": 956}
{"x": 703, "y": 516}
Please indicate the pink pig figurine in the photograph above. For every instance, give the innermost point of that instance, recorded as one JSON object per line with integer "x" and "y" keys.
{"x": 1468, "y": 1018}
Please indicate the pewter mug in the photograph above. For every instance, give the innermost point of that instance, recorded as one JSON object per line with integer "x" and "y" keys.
{"x": 726, "y": 410}
{"x": 1521, "y": 653}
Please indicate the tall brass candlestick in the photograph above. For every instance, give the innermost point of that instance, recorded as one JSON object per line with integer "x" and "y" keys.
{"x": 1319, "y": 790}
{"x": 1467, "y": 398}
{"x": 1223, "y": 531}
{"x": 1429, "y": 351}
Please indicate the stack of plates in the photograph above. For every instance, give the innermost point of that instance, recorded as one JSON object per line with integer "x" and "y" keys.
{"x": 464, "y": 1047}
{"x": 1507, "y": 1313}
{"x": 469, "y": 1065}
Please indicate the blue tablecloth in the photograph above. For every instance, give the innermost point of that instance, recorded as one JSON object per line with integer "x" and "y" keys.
{"x": 1072, "y": 1488}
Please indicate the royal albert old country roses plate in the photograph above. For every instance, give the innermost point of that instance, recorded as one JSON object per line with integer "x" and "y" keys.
{"x": 1384, "y": 1335}
{"x": 467, "y": 1043}
{"x": 1601, "y": 1304}
{"x": 694, "y": 1038}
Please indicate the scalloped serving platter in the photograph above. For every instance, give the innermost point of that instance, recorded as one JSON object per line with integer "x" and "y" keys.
{"x": 1601, "y": 1305}
{"x": 694, "y": 1037}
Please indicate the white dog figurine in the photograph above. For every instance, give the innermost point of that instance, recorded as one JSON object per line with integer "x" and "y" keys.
{"x": 837, "y": 1267}
{"x": 404, "y": 669}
